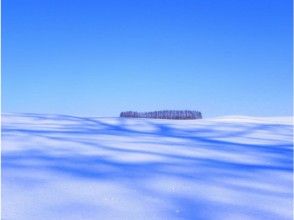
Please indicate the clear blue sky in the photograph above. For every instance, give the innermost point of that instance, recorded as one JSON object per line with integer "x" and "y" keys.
{"x": 94, "y": 57}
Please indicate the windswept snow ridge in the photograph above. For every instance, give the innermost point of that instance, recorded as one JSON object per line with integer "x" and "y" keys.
{"x": 66, "y": 167}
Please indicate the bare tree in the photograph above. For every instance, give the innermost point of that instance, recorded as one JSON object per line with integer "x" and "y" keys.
{"x": 165, "y": 114}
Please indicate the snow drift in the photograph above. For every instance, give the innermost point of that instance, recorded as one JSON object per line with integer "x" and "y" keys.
{"x": 67, "y": 167}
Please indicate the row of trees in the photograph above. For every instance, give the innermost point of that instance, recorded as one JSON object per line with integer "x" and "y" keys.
{"x": 166, "y": 114}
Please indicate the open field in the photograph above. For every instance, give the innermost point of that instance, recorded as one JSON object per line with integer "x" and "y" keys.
{"x": 67, "y": 167}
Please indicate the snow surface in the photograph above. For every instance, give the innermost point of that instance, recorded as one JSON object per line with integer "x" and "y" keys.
{"x": 67, "y": 167}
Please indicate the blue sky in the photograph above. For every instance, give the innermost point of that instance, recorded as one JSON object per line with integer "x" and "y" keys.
{"x": 97, "y": 58}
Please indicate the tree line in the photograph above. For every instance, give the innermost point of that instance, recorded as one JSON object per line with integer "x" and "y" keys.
{"x": 166, "y": 114}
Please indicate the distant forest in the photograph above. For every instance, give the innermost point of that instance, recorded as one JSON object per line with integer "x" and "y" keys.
{"x": 166, "y": 114}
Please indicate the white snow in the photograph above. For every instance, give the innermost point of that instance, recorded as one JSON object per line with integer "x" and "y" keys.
{"x": 67, "y": 167}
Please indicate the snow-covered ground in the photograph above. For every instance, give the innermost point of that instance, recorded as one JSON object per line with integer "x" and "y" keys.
{"x": 65, "y": 167}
